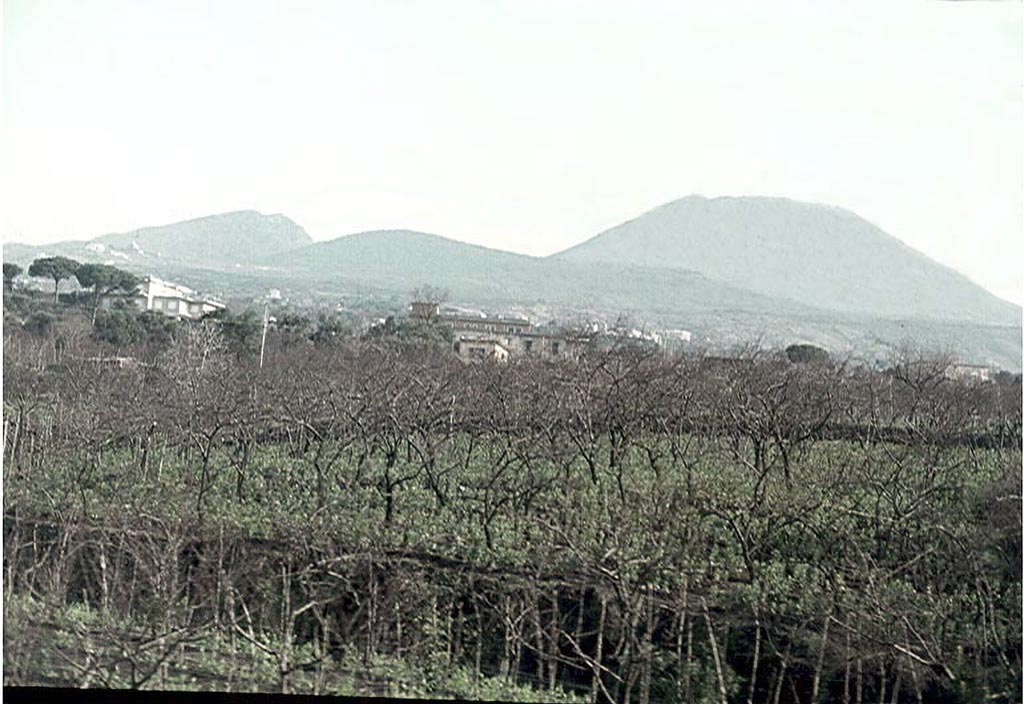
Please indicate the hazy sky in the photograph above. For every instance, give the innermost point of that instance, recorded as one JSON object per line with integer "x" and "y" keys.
{"x": 526, "y": 125}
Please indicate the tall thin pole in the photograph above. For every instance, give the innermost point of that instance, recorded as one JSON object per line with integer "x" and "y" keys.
{"x": 266, "y": 321}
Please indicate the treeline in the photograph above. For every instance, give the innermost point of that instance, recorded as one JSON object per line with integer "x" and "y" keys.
{"x": 77, "y": 321}
{"x": 628, "y": 527}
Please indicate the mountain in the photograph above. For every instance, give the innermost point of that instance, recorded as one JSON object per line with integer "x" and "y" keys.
{"x": 400, "y": 260}
{"x": 731, "y": 270}
{"x": 230, "y": 239}
{"x": 813, "y": 254}
{"x": 241, "y": 237}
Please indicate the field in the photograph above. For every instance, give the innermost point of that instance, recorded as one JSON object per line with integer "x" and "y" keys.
{"x": 362, "y": 518}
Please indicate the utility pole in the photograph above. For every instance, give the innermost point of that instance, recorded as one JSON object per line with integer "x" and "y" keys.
{"x": 266, "y": 321}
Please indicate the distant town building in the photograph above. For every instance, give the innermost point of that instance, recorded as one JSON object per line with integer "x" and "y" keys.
{"x": 494, "y": 337}
{"x": 484, "y": 324}
{"x": 675, "y": 336}
{"x": 173, "y": 300}
{"x": 961, "y": 372}
{"x": 479, "y": 336}
{"x": 424, "y": 310}
{"x": 622, "y": 338}
{"x": 481, "y": 349}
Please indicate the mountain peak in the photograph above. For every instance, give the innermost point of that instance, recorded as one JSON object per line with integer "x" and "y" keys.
{"x": 811, "y": 253}
{"x": 238, "y": 237}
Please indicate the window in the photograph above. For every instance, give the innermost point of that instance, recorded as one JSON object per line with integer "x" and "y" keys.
{"x": 554, "y": 348}
{"x": 528, "y": 346}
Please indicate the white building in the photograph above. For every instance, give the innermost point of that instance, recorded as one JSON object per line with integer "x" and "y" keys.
{"x": 481, "y": 348}
{"x": 173, "y": 300}
{"x": 678, "y": 336}
{"x": 961, "y": 371}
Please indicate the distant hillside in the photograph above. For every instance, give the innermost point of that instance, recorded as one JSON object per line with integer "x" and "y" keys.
{"x": 229, "y": 239}
{"x": 815, "y": 254}
{"x": 731, "y": 270}
{"x": 400, "y": 260}
{"x": 232, "y": 238}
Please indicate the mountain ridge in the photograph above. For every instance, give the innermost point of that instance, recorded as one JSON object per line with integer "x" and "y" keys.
{"x": 223, "y": 239}
{"x": 235, "y": 253}
{"x": 404, "y": 259}
{"x": 657, "y": 270}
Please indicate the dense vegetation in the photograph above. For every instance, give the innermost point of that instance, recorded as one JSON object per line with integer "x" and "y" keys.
{"x": 374, "y": 516}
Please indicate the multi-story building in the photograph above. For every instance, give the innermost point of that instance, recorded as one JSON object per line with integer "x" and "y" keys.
{"x": 173, "y": 300}
{"x": 961, "y": 371}
{"x": 481, "y": 348}
{"x": 495, "y": 337}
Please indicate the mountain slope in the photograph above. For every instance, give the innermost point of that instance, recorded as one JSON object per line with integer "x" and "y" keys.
{"x": 229, "y": 239}
{"x": 400, "y": 260}
{"x": 390, "y": 264}
{"x": 814, "y": 254}
{"x": 863, "y": 292}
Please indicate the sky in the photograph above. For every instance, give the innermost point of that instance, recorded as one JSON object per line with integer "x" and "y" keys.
{"x": 528, "y": 125}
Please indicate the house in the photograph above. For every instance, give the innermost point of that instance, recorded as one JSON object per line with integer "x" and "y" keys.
{"x": 460, "y": 323}
{"x": 480, "y": 336}
{"x": 549, "y": 342}
{"x": 173, "y": 300}
{"x": 622, "y": 339}
{"x": 424, "y": 310}
{"x": 473, "y": 349}
{"x": 960, "y": 371}
{"x": 674, "y": 341}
